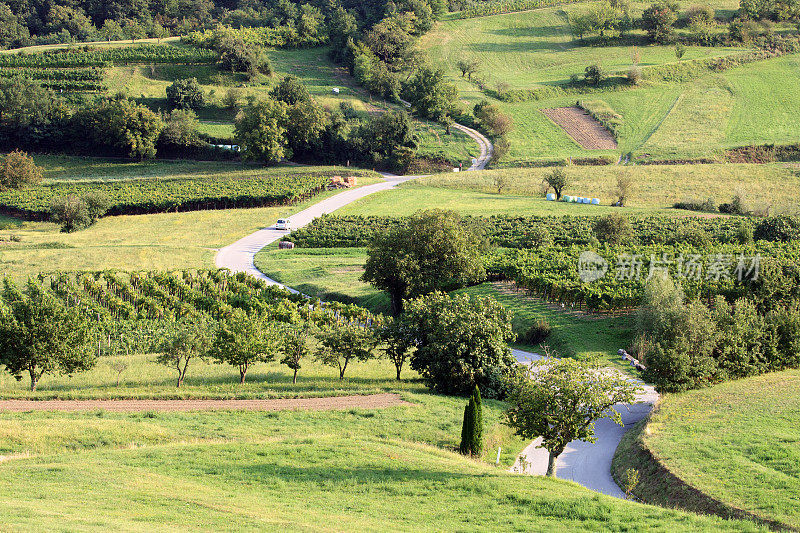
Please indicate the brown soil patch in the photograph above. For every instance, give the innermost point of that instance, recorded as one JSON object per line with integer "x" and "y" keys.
{"x": 579, "y": 125}
{"x": 371, "y": 401}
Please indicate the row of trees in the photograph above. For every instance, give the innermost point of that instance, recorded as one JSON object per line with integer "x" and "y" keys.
{"x": 35, "y": 118}
{"x": 611, "y": 19}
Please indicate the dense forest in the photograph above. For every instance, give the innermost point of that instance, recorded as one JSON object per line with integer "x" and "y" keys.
{"x": 26, "y": 22}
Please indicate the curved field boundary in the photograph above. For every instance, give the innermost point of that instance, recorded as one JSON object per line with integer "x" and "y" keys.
{"x": 371, "y": 401}
{"x": 585, "y": 130}
{"x": 658, "y": 485}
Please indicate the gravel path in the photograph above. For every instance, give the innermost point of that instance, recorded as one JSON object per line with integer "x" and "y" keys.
{"x": 371, "y": 401}
{"x": 487, "y": 149}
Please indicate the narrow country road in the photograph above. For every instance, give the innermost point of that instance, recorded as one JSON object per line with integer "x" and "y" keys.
{"x": 589, "y": 464}
{"x": 487, "y": 149}
{"x": 239, "y": 256}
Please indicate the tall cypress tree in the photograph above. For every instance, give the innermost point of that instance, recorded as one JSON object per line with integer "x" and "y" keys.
{"x": 467, "y": 428}
{"x": 476, "y": 444}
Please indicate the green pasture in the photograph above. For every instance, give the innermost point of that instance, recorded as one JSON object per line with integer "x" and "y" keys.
{"x": 375, "y": 470}
{"x": 162, "y": 241}
{"x": 737, "y": 442}
{"x": 655, "y": 189}
{"x": 751, "y": 104}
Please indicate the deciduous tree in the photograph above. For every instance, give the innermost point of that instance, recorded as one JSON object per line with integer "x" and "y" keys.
{"x": 435, "y": 250}
{"x": 39, "y": 335}
{"x": 189, "y": 340}
{"x": 242, "y": 340}
{"x": 560, "y": 401}
{"x": 460, "y": 342}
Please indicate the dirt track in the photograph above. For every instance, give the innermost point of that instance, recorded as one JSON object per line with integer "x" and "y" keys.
{"x": 579, "y": 125}
{"x": 372, "y": 401}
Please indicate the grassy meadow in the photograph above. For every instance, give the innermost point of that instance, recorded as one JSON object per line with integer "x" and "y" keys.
{"x": 738, "y": 442}
{"x": 160, "y": 241}
{"x": 751, "y": 104}
{"x": 375, "y": 470}
{"x": 656, "y": 188}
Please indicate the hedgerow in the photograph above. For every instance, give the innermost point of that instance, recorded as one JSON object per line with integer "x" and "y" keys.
{"x": 102, "y": 57}
{"x": 162, "y": 195}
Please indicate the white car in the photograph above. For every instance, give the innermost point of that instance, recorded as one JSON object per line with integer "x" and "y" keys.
{"x": 283, "y": 224}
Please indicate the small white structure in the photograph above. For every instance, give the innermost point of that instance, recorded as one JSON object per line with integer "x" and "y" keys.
{"x": 335, "y": 90}
{"x": 595, "y": 201}
{"x": 551, "y": 197}
{"x": 456, "y": 169}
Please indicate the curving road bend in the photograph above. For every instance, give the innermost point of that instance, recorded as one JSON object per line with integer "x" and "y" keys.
{"x": 239, "y": 256}
{"x": 589, "y": 464}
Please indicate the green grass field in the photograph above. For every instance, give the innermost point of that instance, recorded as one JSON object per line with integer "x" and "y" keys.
{"x": 752, "y": 104}
{"x": 738, "y": 442}
{"x": 161, "y": 241}
{"x": 377, "y": 470}
{"x": 656, "y": 189}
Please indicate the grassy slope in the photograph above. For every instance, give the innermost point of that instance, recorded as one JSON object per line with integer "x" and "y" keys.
{"x": 750, "y": 104}
{"x": 365, "y": 470}
{"x": 738, "y": 442}
{"x": 656, "y": 188}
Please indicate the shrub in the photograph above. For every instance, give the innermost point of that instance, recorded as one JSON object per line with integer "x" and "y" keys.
{"x": 706, "y": 206}
{"x": 71, "y": 212}
{"x": 231, "y": 98}
{"x": 737, "y": 206}
{"x": 635, "y": 75}
{"x": 613, "y": 229}
{"x": 594, "y": 75}
{"x": 19, "y": 170}
{"x": 185, "y": 94}
{"x": 700, "y": 13}
{"x": 777, "y": 229}
{"x": 537, "y": 333}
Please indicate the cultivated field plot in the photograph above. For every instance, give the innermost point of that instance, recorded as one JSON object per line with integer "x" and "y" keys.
{"x": 698, "y": 118}
{"x": 584, "y": 129}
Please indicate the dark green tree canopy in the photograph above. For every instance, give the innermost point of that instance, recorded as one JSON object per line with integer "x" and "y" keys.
{"x": 460, "y": 342}
{"x": 435, "y": 250}
{"x": 39, "y": 335}
{"x": 185, "y": 94}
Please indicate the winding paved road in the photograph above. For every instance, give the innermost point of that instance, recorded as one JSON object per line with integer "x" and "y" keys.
{"x": 239, "y": 256}
{"x": 587, "y": 464}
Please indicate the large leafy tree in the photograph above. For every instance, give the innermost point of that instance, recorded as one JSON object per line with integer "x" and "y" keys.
{"x": 261, "y": 132}
{"x": 435, "y": 250}
{"x": 123, "y": 126}
{"x": 242, "y": 340}
{"x": 560, "y": 401}
{"x": 658, "y": 21}
{"x": 460, "y": 342}
{"x": 430, "y": 94}
{"x": 185, "y": 94}
{"x": 39, "y": 335}
{"x": 291, "y": 91}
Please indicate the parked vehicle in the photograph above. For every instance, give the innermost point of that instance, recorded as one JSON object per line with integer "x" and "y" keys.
{"x": 283, "y": 224}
